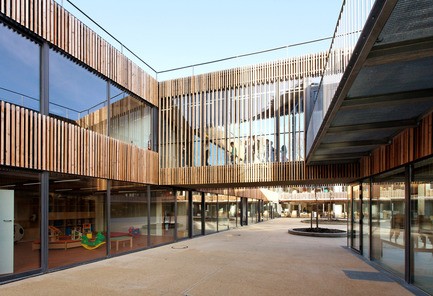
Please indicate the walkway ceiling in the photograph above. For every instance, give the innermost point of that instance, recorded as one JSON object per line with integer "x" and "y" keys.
{"x": 387, "y": 87}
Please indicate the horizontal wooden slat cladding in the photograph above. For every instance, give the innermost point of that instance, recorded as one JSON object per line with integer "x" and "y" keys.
{"x": 34, "y": 141}
{"x": 53, "y": 23}
{"x": 409, "y": 145}
{"x": 265, "y": 174}
{"x": 287, "y": 69}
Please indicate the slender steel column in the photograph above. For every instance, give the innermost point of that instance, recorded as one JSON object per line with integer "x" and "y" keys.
{"x": 175, "y": 214}
{"x": 108, "y": 215}
{"x": 45, "y": 179}
{"x": 44, "y": 83}
{"x": 148, "y": 215}
{"x": 203, "y": 211}
{"x": 408, "y": 250}
{"x": 190, "y": 214}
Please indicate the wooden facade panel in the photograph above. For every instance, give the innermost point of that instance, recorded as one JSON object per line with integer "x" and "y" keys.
{"x": 49, "y": 20}
{"x": 409, "y": 145}
{"x": 34, "y": 141}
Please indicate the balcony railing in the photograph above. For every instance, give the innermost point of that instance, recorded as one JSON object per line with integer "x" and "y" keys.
{"x": 353, "y": 16}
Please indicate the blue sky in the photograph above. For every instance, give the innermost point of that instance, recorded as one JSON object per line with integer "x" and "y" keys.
{"x": 169, "y": 34}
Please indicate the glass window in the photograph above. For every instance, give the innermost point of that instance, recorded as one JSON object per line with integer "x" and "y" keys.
{"x": 388, "y": 220}
{"x": 77, "y": 95}
{"x": 182, "y": 214}
{"x": 128, "y": 217}
{"x": 77, "y": 219}
{"x": 251, "y": 211}
{"x": 19, "y": 61}
{"x": 366, "y": 219}
{"x": 356, "y": 218}
{"x": 162, "y": 219}
{"x": 210, "y": 213}
{"x": 197, "y": 213}
{"x": 349, "y": 215}
{"x": 422, "y": 225}
{"x": 20, "y": 232}
{"x": 232, "y": 212}
{"x": 130, "y": 119}
{"x": 223, "y": 218}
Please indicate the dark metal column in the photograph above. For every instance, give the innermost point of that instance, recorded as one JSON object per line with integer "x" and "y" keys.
{"x": 108, "y": 208}
{"x": 148, "y": 215}
{"x": 45, "y": 179}
{"x": 370, "y": 218}
{"x": 361, "y": 222}
{"x": 203, "y": 213}
{"x": 175, "y": 214}
{"x": 190, "y": 214}
{"x": 44, "y": 83}
{"x": 408, "y": 251}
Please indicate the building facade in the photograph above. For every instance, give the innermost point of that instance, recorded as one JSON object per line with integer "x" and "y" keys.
{"x": 98, "y": 158}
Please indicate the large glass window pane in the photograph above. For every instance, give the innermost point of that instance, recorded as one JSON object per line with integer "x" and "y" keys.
{"x": 77, "y": 95}
{"x": 349, "y": 216}
{"x": 210, "y": 213}
{"x": 162, "y": 219}
{"x": 251, "y": 211}
{"x": 356, "y": 218}
{"x": 182, "y": 214}
{"x": 366, "y": 219}
{"x": 422, "y": 225}
{"x": 130, "y": 119}
{"x": 20, "y": 232}
{"x": 77, "y": 219}
{"x": 197, "y": 213}
{"x": 388, "y": 220}
{"x": 232, "y": 211}
{"x": 223, "y": 222}
{"x": 19, "y": 64}
{"x": 128, "y": 217}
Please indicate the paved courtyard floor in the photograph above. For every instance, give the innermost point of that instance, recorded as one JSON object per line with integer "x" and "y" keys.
{"x": 261, "y": 259}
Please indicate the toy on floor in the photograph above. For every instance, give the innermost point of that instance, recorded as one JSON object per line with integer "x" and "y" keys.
{"x": 91, "y": 245}
{"x": 87, "y": 230}
{"x": 134, "y": 231}
{"x": 76, "y": 233}
{"x": 54, "y": 233}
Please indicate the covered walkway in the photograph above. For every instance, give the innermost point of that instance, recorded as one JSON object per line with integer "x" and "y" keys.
{"x": 261, "y": 259}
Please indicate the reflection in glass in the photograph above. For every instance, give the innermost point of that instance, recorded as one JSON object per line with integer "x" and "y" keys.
{"x": 128, "y": 217}
{"x": 19, "y": 61}
{"x": 422, "y": 225}
{"x": 162, "y": 219}
{"x": 182, "y": 214}
{"x": 232, "y": 212}
{"x": 210, "y": 217}
{"x": 251, "y": 211}
{"x": 197, "y": 213}
{"x": 223, "y": 222}
{"x": 388, "y": 220}
{"x": 356, "y": 218}
{"x": 77, "y": 219}
{"x": 130, "y": 119}
{"x": 77, "y": 95}
{"x": 365, "y": 219}
{"x": 20, "y": 231}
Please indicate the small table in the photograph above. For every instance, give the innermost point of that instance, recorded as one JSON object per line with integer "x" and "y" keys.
{"x": 121, "y": 239}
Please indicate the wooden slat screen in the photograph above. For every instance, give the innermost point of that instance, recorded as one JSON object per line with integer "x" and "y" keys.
{"x": 52, "y": 22}
{"x": 34, "y": 141}
{"x": 408, "y": 146}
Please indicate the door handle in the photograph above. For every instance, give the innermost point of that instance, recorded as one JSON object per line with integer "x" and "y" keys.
{"x": 7, "y": 220}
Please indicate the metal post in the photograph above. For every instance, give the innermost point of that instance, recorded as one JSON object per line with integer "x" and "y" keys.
{"x": 408, "y": 250}
{"x": 175, "y": 214}
{"x": 370, "y": 211}
{"x": 190, "y": 214}
{"x": 203, "y": 213}
{"x": 45, "y": 195}
{"x": 148, "y": 215}
{"x": 108, "y": 208}
{"x": 217, "y": 208}
{"x": 361, "y": 224}
{"x": 44, "y": 83}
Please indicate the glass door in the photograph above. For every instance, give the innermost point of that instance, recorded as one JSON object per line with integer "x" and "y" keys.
{"x": 356, "y": 218}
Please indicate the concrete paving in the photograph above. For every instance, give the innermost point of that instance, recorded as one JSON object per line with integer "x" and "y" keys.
{"x": 261, "y": 259}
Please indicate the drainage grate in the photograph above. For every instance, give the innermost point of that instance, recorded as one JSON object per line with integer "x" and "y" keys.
{"x": 367, "y": 276}
{"x": 179, "y": 247}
